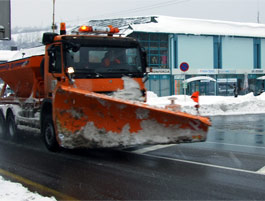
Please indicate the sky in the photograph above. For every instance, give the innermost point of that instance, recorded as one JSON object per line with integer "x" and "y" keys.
{"x": 25, "y": 13}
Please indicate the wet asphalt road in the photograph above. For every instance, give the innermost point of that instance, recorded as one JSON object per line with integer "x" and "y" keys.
{"x": 226, "y": 167}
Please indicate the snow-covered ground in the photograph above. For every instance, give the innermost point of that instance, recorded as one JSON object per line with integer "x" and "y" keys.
{"x": 11, "y": 191}
{"x": 209, "y": 106}
{"x": 214, "y": 105}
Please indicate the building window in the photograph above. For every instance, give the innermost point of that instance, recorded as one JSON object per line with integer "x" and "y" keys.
{"x": 257, "y": 59}
{"x": 217, "y": 42}
{"x": 156, "y": 46}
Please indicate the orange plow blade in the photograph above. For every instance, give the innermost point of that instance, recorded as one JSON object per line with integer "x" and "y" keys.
{"x": 87, "y": 119}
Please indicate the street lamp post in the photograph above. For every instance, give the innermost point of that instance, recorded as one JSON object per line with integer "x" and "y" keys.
{"x": 54, "y": 27}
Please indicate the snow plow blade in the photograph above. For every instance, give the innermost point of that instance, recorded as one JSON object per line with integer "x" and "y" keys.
{"x": 87, "y": 119}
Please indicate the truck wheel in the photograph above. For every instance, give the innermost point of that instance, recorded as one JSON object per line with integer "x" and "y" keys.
{"x": 2, "y": 126}
{"x": 49, "y": 134}
{"x": 11, "y": 127}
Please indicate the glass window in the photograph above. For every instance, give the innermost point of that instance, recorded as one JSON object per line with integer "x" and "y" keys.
{"x": 154, "y": 37}
{"x": 164, "y": 44}
{"x": 102, "y": 61}
{"x": 154, "y": 60}
{"x": 257, "y": 53}
{"x": 163, "y": 37}
{"x": 144, "y": 36}
{"x": 154, "y": 51}
{"x": 156, "y": 47}
{"x": 163, "y": 61}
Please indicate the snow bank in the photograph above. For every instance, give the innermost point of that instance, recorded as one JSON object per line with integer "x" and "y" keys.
{"x": 10, "y": 191}
{"x": 214, "y": 105}
{"x": 5, "y": 55}
{"x": 25, "y": 53}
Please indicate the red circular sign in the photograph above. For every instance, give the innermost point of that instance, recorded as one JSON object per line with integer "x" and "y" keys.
{"x": 184, "y": 66}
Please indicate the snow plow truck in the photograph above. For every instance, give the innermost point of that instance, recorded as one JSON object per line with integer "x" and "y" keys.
{"x": 87, "y": 90}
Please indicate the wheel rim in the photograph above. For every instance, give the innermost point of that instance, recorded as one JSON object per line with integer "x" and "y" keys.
{"x": 49, "y": 134}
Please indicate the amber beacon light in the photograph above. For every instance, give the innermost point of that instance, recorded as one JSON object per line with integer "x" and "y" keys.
{"x": 62, "y": 29}
{"x": 95, "y": 29}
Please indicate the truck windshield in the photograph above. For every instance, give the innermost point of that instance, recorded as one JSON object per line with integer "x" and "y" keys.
{"x": 105, "y": 62}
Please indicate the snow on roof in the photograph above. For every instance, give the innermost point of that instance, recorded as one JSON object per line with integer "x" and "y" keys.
{"x": 24, "y": 53}
{"x": 5, "y": 55}
{"x": 165, "y": 24}
{"x": 202, "y": 27}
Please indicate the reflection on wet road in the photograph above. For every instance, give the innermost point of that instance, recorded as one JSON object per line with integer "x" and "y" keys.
{"x": 240, "y": 129}
{"x": 245, "y": 133}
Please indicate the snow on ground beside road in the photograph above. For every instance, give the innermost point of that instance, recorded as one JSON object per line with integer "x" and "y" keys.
{"x": 10, "y": 191}
{"x": 214, "y": 105}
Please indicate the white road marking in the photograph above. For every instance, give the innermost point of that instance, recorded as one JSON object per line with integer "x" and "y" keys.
{"x": 152, "y": 148}
{"x": 156, "y": 147}
{"x": 209, "y": 165}
{"x": 261, "y": 170}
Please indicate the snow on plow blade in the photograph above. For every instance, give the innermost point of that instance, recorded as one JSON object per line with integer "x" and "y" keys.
{"x": 87, "y": 119}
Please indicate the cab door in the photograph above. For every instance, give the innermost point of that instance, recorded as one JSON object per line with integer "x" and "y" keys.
{"x": 54, "y": 68}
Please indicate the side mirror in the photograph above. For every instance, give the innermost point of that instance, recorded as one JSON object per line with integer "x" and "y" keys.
{"x": 48, "y": 38}
{"x": 51, "y": 54}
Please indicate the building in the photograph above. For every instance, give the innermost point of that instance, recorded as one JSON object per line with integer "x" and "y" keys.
{"x": 231, "y": 53}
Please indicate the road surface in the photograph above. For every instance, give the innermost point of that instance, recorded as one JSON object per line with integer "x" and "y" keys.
{"x": 229, "y": 166}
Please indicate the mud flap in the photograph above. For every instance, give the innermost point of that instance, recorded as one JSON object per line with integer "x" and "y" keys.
{"x": 87, "y": 119}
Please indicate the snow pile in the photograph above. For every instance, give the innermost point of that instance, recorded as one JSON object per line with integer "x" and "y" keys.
{"x": 131, "y": 90}
{"x": 10, "y": 191}
{"x": 90, "y": 136}
{"x": 5, "y": 55}
{"x": 25, "y": 53}
{"x": 214, "y": 105}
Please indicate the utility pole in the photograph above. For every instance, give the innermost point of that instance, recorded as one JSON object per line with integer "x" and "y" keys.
{"x": 54, "y": 27}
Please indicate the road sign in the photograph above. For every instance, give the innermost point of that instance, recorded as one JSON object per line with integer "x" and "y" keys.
{"x": 5, "y": 27}
{"x": 184, "y": 66}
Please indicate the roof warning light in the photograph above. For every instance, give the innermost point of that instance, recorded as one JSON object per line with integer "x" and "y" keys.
{"x": 89, "y": 29}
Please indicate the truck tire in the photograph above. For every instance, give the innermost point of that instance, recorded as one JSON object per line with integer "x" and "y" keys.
{"x": 11, "y": 127}
{"x": 2, "y": 126}
{"x": 49, "y": 135}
